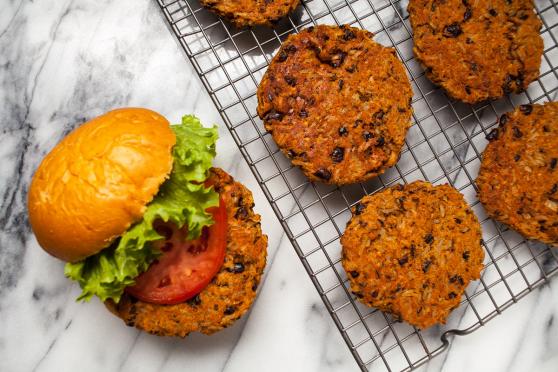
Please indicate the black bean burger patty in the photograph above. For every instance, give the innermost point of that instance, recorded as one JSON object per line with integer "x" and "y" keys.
{"x": 233, "y": 289}
{"x": 251, "y": 12}
{"x": 518, "y": 178}
{"x": 337, "y": 103}
{"x": 477, "y": 49}
{"x": 412, "y": 250}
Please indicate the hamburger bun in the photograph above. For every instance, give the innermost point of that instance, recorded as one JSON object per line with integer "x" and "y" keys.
{"x": 97, "y": 181}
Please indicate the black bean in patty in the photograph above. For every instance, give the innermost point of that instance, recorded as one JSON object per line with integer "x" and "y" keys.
{"x": 403, "y": 260}
{"x": 338, "y": 154}
{"x": 492, "y": 135}
{"x": 194, "y": 301}
{"x": 348, "y": 34}
{"x": 503, "y": 119}
{"x": 237, "y": 268}
{"x": 452, "y": 30}
{"x": 273, "y": 115}
{"x": 290, "y": 80}
{"x": 467, "y": 15}
{"x": 359, "y": 208}
{"x": 526, "y": 109}
{"x": 323, "y": 174}
{"x": 229, "y": 310}
{"x": 282, "y": 56}
{"x": 428, "y": 238}
{"x": 426, "y": 265}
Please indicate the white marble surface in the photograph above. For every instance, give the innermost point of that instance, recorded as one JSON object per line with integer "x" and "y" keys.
{"x": 63, "y": 61}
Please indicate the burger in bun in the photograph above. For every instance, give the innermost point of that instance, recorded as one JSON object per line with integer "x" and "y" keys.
{"x": 133, "y": 205}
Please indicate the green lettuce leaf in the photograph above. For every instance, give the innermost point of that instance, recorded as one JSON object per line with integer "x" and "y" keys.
{"x": 182, "y": 199}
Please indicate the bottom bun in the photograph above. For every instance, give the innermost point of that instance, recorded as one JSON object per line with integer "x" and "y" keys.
{"x": 233, "y": 289}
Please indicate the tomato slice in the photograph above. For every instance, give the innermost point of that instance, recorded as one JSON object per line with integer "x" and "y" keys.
{"x": 186, "y": 267}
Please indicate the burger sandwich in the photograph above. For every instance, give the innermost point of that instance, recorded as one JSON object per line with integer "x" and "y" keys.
{"x": 132, "y": 204}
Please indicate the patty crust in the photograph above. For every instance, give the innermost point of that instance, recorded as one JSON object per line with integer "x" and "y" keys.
{"x": 233, "y": 289}
{"x": 251, "y": 12}
{"x": 518, "y": 178}
{"x": 477, "y": 49}
{"x": 337, "y": 103}
{"x": 412, "y": 250}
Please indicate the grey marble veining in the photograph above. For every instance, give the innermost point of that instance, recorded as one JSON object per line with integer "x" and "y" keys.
{"x": 63, "y": 62}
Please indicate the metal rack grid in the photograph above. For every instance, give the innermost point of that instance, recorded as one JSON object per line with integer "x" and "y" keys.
{"x": 443, "y": 146}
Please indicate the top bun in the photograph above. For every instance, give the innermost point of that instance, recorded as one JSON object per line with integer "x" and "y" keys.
{"x": 97, "y": 181}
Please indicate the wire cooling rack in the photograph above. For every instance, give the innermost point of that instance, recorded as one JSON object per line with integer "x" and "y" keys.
{"x": 443, "y": 146}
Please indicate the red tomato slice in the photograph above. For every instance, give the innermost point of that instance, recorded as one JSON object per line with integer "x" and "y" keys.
{"x": 186, "y": 267}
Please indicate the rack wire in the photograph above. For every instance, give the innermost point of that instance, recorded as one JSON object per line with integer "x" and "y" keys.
{"x": 442, "y": 146}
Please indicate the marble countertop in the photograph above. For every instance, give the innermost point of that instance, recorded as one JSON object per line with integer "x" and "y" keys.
{"x": 64, "y": 61}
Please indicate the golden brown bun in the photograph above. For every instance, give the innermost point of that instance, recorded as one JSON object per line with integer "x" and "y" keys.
{"x": 96, "y": 182}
